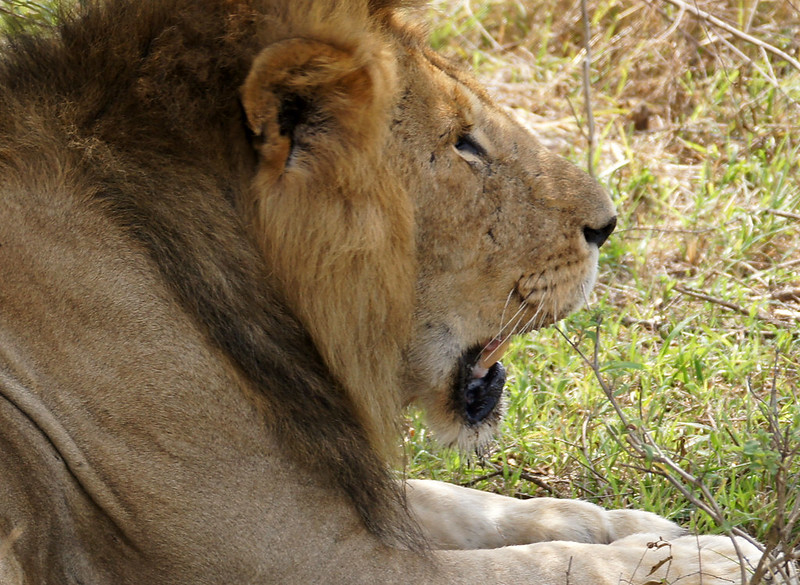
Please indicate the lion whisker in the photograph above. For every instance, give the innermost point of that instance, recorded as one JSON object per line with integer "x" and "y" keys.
{"x": 515, "y": 319}
{"x": 585, "y": 295}
{"x": 505, "y": 307}
{"x": 538, "y": 315}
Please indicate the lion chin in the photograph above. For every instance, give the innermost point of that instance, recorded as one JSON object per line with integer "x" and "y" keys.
{"x": 237, "y": 238}
{"x": 477, "y": 392}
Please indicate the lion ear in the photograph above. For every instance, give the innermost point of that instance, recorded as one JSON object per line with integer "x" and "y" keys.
{"x": 310, "y": 101}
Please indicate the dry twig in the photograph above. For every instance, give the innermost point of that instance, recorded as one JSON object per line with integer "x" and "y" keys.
{"x": 782, "y": 213}
{"x": 711, "y": 19}
{"x": 727, "y": 304}
{"x": 587, "y": 89}
{"x": 478, "y": 25}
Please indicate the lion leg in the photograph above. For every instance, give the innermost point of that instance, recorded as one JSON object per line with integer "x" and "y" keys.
{"x": 641, "y": 559}
{"x": 705, "y": 559}
{"x": 455, "y": 517}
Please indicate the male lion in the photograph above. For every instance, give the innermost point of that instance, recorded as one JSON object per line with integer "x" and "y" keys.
{"x": 236, "y": 238}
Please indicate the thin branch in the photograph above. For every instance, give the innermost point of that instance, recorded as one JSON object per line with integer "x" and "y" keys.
{"x": 483, "y": 477}
{"x": 727, "y": 304}
{"x": 477, "y": 23}
{"x": 781, "y": 213}
{"x": 788, "y": 264}
{"x": 769, "y": 76}
{"x": 710, "y": 18}
{"x": 587, "y": 90}
{"x": 528, "y": 477}
{"x": 750, "y": 16}
{"x": 12, "y": 13}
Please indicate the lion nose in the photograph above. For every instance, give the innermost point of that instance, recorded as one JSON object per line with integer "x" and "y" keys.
{"x": 599, "y": 236}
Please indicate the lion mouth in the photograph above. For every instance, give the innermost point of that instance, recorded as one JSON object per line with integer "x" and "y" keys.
{"x": 480, "y": 381}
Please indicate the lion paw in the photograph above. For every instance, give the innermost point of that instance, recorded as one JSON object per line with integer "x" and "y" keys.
{"x": 622, "y": 523}
{"x": 542, "y": 519}
{"x": 706, "y": 560}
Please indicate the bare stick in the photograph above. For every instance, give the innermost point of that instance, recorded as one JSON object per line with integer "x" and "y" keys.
{"x": 786, "y": 214}
{"x": 587, "y": 90}
{"x": 710, "y": 18}
{"x": 528, "y": 477}
{"x": 569, "y": 569}
{"x": 483, "y": 477}
{"x": 477, "y": 23}
{"x": 728, "y": 305}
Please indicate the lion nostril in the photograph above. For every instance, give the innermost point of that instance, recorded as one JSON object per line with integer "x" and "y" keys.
{"x": 599, "y": 236}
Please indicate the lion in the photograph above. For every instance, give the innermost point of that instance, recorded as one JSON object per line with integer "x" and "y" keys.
{"x": 238, "y": 237}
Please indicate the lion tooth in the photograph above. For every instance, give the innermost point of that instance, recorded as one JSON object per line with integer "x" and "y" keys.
{"x": 479, "y": 372}
{"x": 493, "y": 353}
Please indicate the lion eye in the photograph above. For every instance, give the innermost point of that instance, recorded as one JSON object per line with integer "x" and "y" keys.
{"x": 466, "y": 144}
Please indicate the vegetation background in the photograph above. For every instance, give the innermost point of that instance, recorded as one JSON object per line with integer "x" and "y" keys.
{"x": 692, "y": 123}
{"x": 696, "y": 134}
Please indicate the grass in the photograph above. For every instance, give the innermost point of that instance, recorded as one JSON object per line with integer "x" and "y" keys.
{"x": 17, "y": 15}
{"x": 698, "y": 142}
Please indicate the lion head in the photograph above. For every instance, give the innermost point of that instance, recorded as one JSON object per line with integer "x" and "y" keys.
{"x": 413, "y": 226}
{"x": 339, "y": 218}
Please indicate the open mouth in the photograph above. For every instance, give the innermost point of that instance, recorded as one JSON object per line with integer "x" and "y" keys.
{"x": 481, "y": 377}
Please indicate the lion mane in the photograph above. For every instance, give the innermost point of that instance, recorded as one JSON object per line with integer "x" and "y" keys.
{"x": 150, "y": 89}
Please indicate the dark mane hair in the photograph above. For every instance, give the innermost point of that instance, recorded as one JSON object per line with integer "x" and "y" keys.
{"x": 138, "y": 99}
